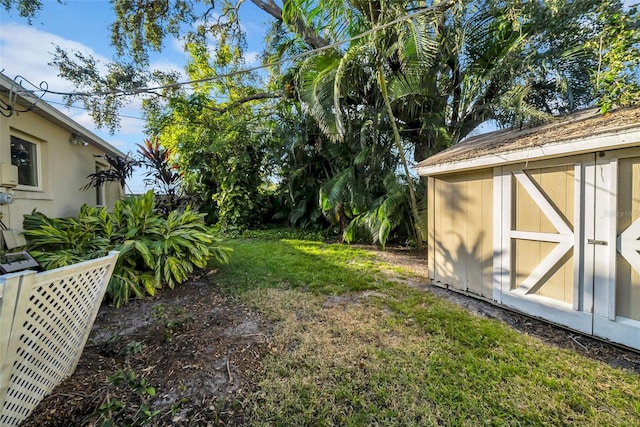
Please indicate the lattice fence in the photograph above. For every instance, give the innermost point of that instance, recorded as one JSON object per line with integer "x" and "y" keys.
{"x": 45, "y": 320}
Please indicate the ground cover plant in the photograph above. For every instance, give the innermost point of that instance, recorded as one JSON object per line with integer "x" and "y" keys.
{"x": 300, "y": 332}
{"x": 155, "y": 249}
{"x": 355, "y": 348}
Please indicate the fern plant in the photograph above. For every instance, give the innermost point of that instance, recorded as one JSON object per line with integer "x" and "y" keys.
{"x": 154, "y": 250}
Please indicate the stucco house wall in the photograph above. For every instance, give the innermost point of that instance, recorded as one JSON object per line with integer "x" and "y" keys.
{"x": 64, "y": 157}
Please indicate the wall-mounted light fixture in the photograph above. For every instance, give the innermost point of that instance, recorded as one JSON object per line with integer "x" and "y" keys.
{"x": 77, "y": 140}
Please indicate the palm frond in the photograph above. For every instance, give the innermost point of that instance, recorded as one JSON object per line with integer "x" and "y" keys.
{"x": 317, "y": 90}
{"x": 349, "y": 60}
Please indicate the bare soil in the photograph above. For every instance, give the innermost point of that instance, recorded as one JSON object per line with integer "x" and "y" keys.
{"x": 202, "y": 352}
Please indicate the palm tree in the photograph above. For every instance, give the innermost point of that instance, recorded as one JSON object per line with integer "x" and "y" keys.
{"x": 336, "y": 86}
{"x": 430, "y": 76}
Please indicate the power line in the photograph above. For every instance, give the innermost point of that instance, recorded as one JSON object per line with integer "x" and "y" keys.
{"x": 442, "y": 6}
{"x": 87, "y": 109}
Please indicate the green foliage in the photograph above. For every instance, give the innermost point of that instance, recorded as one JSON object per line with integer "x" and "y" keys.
{"x": 220, "y": 144}
{"x": 222, "y": 160}
{"x": 154, "y": 250}
{"x": 387, "y": 213}
{"x": 428, "y": 82}
{"x": 280, "y": 234}
{"x": 26, "y": 8}
{"x": 132, "y": 347}
{"x": 130, "y": 378}
{"x": 238, "y": 197}
{"x": 113, "y": 412}
{"x": 348, "y": 116}
{"x": 302, "y": 160}
{"x": 617, "y": 78}
{"x": 163, "y": 173}
{"x": 120, "y": 169}
{"x": 451, "y": 69}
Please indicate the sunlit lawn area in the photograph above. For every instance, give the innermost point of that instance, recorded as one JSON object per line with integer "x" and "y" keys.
{"x": 352, "y": 347}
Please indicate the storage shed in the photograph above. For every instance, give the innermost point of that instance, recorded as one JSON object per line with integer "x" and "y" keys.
{"x": 545, "y": 221}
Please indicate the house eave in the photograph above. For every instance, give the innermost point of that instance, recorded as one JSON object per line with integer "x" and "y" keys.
{"x": 609, "y": 141}
{"x": 27, "y": 100}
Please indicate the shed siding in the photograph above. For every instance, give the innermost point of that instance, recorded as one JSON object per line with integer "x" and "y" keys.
{"x": 431, "y": 228}
{"x": 563, "y": 227}
{"x": 557, "y": 185}
{"x": 628, "y": 278}
{"x": 461, "y": 231}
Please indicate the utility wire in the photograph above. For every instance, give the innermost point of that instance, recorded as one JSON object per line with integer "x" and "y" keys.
{"x": 87, "y": 109}
{"x": 441, "y": 6}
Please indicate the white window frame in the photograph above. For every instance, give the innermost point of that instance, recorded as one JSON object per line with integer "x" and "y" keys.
{"x": 38, "y": 163}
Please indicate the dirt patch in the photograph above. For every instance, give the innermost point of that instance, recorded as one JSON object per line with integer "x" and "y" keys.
{"x": 201, "y": 352}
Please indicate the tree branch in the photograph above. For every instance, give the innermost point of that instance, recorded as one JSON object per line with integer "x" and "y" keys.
{"x": 299, "y": 26}
{"x": 270, "y": 7}
{"x": 243, "y": 100}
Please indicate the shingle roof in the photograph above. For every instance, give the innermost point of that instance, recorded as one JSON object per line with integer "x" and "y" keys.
{"x": 574, "y": 126}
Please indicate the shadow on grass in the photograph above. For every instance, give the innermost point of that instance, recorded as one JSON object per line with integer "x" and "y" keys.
{"x": 316, "y": 267}
{"x": 405, "y": 357}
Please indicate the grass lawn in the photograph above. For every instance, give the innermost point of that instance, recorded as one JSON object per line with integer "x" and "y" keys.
{"x": 350, "y": 347}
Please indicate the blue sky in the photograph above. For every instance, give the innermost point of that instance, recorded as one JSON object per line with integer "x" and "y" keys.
{"x": 83, "y": 25}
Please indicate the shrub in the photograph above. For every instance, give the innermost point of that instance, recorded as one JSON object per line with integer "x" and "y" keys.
{"x": 279, "y": 234}
{"x": 154, "y": 250}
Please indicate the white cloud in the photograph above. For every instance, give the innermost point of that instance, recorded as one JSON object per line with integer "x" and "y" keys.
{"x": 252, "y": 58}
{"x": 167, "y": 66}
{"x": 126, "y": 146}
{"x": 27, "y": 51}
{"x": 177, "y": 45}
{"x": 130, "y": 124}
{"x": 254, "y": 30}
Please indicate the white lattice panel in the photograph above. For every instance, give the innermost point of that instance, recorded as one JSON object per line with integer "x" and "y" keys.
{"x": 41, "y": 342}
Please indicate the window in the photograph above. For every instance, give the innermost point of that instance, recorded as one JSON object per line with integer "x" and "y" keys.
{"x": 24, "y": 155}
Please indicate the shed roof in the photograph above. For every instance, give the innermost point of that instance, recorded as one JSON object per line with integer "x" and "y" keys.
{"x": 577, "y": 133}
{"x": 24, "y": 98}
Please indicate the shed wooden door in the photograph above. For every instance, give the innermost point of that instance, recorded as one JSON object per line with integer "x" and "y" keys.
{"x": 460, "y": 231}
{"x": 540, "y": 250}
{"x": 616, "y": 266}
{"x": 568, "y": 247}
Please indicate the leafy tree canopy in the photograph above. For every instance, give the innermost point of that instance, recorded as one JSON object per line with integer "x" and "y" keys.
{"x": 532, "y": 58}
{"x": 370, "y": 87}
